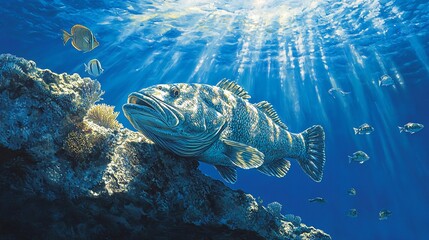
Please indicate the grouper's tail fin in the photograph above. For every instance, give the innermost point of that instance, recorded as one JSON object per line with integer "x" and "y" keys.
{"x": 313, "y": 160}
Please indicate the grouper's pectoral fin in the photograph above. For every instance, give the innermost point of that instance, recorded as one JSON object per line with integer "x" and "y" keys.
{"x": 195, "y": 145}
{"x": 242, "y": 155}
{"x": 229, "y": 174}
{"x": 277, "y": 168}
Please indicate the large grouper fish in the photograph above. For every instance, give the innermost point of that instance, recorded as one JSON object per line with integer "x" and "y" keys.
{"x": 219, "y": 126}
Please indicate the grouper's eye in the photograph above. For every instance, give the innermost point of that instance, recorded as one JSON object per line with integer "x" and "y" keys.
{"x": 174, "y": 92}
{"x": 159, "y": 87}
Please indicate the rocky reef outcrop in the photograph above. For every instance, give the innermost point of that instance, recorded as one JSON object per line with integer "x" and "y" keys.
{"x": 65, "y": 176}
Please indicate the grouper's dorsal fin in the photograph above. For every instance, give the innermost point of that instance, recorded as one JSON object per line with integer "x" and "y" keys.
{"x": 233, "y": 87}
{"x": 268, "y": 109}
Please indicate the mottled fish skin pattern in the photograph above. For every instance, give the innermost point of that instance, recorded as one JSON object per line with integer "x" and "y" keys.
{"x": 202, "y": 109}
{"x": 249, "y": 125}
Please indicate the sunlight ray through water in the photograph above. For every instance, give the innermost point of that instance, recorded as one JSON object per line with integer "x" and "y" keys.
{"x": 315, "y": 61}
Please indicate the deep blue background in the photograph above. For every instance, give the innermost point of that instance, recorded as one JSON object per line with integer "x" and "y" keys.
{"x": 289, "y": 53}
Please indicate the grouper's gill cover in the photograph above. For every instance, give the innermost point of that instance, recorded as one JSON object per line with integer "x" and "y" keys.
{"x": 218, "y": 125}
{"x": 173, "y": 117}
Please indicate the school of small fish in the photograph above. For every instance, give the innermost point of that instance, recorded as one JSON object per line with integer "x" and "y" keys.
{"x": 82, "y": 39}
{"x": 366, "y": 129}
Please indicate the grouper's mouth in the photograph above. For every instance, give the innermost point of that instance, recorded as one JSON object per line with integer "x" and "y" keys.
{"x": 144, "y": 111}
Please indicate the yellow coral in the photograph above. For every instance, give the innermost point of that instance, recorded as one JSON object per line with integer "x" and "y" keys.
{"x": 83, "y": 144}
{"x": 79, "y": 144}
{"x": 103, "y": 115}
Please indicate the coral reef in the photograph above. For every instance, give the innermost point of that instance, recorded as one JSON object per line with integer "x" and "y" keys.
{"x": 128, "y": 188}
{"x": 275, "y": 208}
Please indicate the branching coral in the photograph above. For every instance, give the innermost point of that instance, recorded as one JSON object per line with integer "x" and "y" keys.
{"x": 275, "y": 208}
{"x": 103, "y": 115}
{"x": 91, "y": 92}
{"x": 296, "y": 220}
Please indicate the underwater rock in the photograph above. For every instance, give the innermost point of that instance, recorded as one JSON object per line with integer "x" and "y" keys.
{"x": 120, "y": 185}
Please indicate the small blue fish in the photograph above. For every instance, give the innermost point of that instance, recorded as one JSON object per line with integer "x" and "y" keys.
{"x": 359, "y": 157}
{"x": 411, "y": 128}
{"x": 94, "y": 68}
{"x": 317, "y": 199}
{"x": 352, "y": 212}
{"x": 364, "y": 129}
{"x": 384, "y": 214}
{"x": 337, "y": 91}
{"x": 385, "y": 81}
{"x": 352, "y": 192}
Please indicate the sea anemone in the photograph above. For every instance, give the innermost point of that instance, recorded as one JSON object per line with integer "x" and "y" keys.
{"x": 103, "y": 115}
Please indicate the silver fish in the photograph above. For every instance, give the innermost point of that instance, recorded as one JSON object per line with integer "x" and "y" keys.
{"x": 384, "y": 214}
{"x": 82, "y": 38}
{"x": 94, "y": 68}
{"x": 411, "y": 128}
{"x": 352, "y": 192}
{"x": 359, "y": 157}
{"x": 385, "y": 81}
{"x": 337, "y": 91}
{"x": 219, "y": 126}
{"x": 364, "y": 129}
{"x": 352, "y": 213}
{"x": 317, "y": 199}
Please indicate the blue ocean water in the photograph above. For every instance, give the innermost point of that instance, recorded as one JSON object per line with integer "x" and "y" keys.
{"x": 290, "y": 53}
